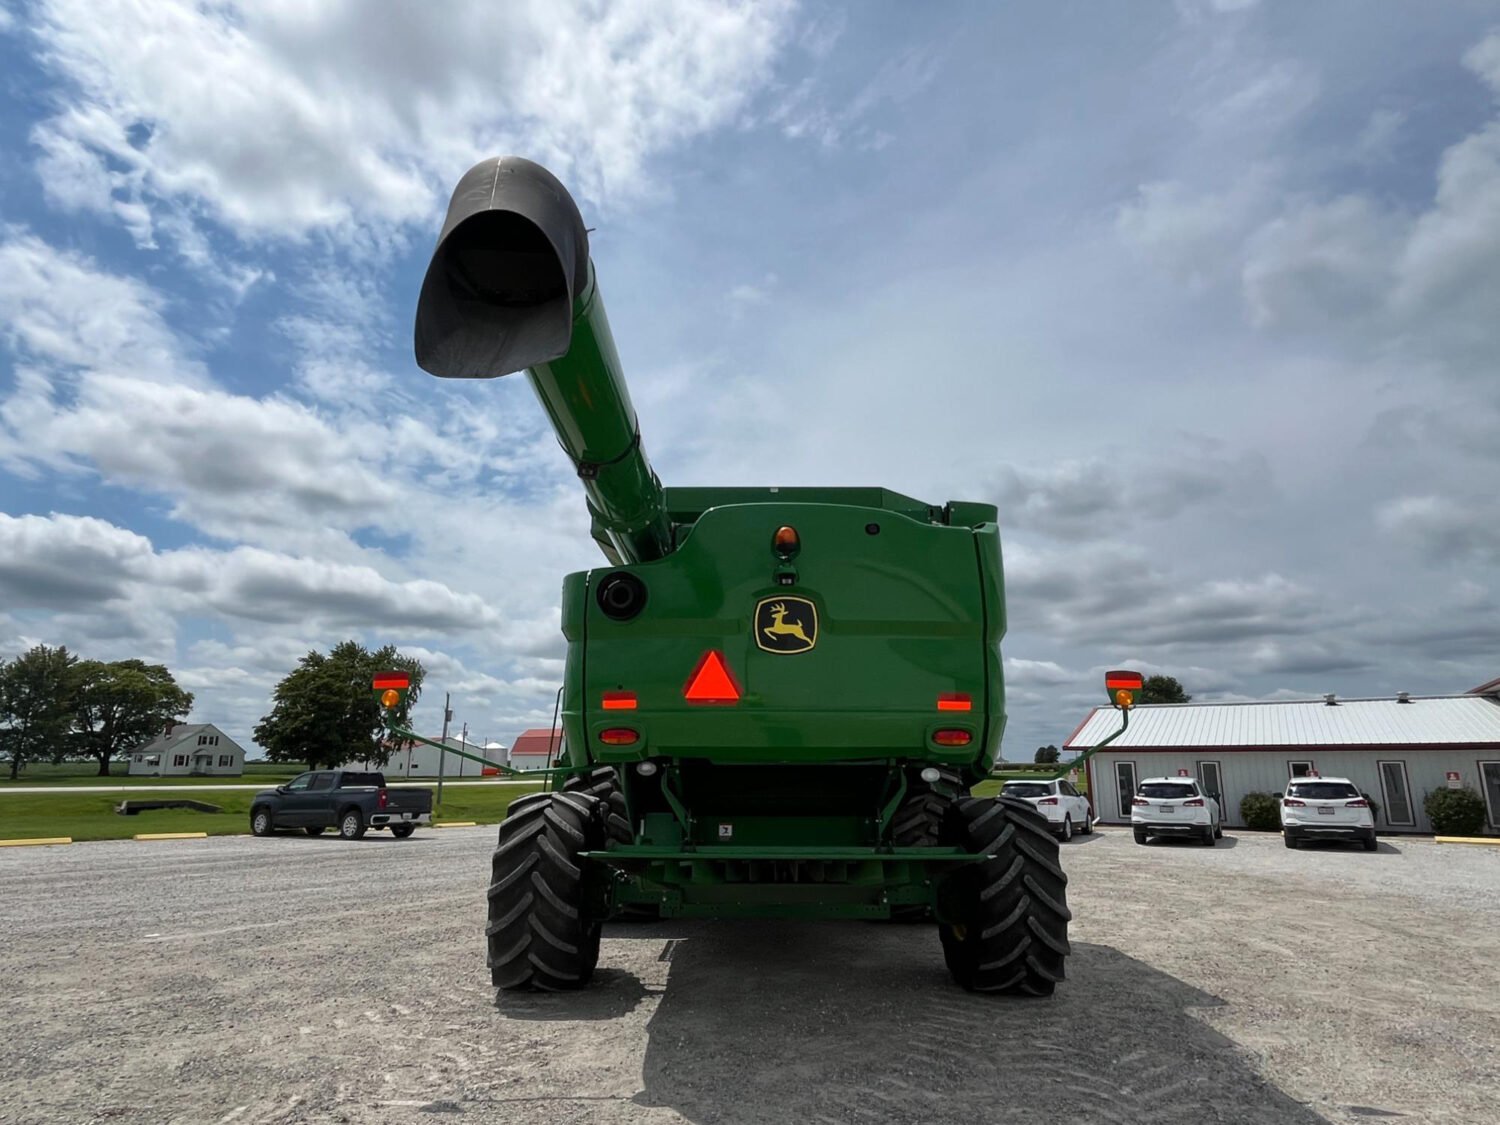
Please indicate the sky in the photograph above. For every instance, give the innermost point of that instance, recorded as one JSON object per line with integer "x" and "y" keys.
{"x": 1204, "y": 295}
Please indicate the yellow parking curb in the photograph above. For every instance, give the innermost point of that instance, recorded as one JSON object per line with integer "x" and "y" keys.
{"x": 35, "y": 842}
{"x": 171, "y": 836}
{"x": 1493, "y": 841}
{"x": 458, "y": 824}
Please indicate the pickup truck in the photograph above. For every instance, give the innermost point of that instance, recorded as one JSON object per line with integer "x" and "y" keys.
{"x": 351, "y": 801}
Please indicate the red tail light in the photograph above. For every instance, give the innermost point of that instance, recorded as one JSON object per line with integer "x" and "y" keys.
{"x": 618, "y": 736}
{"x": 1193, "y": 803}
{"x": 1048, "y": 801}
{"x": 954, "y": 701}
{"x": 1293, "y": 803}
{"x": 951, "y": 736}
{"x": 380, "y": 800}
{"x": 1361, "y": 803}
{"x": 619, "y": 701}
{"x": 1139, "y": 801}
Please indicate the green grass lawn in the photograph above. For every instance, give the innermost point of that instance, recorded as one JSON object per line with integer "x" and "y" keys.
{"x": 92, "y": 816}
{"x": 87, "y": 773}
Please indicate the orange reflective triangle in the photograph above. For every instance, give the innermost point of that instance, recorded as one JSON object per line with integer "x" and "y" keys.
{"x": 711, "y": 682}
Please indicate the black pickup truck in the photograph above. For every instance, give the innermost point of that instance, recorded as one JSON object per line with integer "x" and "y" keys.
{"x": 350, "y": 801}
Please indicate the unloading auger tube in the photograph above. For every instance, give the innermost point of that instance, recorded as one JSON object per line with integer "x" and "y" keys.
{"x": 511, "y": 288}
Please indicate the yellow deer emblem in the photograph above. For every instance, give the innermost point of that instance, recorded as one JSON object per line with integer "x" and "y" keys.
{"x": 779, "y": 626}
{"x": 786, "y": 624}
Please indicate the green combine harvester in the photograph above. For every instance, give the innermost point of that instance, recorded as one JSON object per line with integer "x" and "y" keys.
{"x": 775, "y": 701}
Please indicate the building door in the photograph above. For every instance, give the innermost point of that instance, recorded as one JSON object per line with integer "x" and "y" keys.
{"x": 1124, "y": 787}
{"x": 1299, "y": 769}
{"x": 1210, "y": 777}
{"x": 1398, "y": 808}
{"x": 1489, "y": 773}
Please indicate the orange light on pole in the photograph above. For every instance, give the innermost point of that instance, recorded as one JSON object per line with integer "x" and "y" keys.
{"x": 1123, "y": 686}
{"x": 389, "y": 698}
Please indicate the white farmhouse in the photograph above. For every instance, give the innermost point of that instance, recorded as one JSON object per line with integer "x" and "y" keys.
{"x": 188, "y": 750}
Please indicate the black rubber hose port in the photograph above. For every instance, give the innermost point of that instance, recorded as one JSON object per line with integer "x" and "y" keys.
{"x": 621, "y": 596}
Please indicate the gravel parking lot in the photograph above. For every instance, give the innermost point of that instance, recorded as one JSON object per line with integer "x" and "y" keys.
{"x": 318, "y": 980}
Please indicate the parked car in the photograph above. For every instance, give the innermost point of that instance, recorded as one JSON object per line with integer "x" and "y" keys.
{"x": 1175, "y": 806}
{"x": 1326, "y": 808}
{"x": 1066, "y": 809}
{"x": 349, "y": 800}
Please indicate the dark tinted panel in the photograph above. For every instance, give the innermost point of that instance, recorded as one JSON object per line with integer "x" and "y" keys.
{"x": 1167, "y": 790}
{"x": 1027, "y": 789}
{"x": 1322, "y": 790}
{"x": 356, "y": 780}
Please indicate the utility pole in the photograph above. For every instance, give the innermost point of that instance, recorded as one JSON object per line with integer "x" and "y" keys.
{"x": 443, "y": 751}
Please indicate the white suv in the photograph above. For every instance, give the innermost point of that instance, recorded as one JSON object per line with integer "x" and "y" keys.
{"x": 1326, "y": 808}
{"x": 1066, "y": 809}
{"x": 1175, "y": 806}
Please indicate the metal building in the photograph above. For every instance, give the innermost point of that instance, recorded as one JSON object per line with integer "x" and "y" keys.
{"x": 1395, "y": 750}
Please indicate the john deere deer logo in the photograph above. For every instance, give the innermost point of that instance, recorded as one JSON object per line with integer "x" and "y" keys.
{"x": 786, "y": 625}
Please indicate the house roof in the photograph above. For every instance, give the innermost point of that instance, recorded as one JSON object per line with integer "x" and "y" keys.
{"x": 168, "y": 740}
{"x": 1490, "y": 687}
{"x": 1445, "y": 720}
{"x": 538, "y": 741}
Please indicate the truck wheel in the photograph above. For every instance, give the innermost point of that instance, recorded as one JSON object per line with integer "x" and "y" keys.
{"x": 540, "y": 933}
{"x": 352, "y": 824}
{"x": 1009, "y": 915}
{"x": 603, "y": 784}
{"x": 402, "y": 831}
{"x": 314, "y": 831}
{"x": 260, "y": 822}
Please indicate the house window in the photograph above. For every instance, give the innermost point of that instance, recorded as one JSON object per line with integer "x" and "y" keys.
{"x": 179, "y": 759}
{"x": 1299, "y": 769}
{"x": 1124, "y": 787}
{"x": 202, "y": 739}
{"x": 226, "y": 760}
{"x": 1397, "y": 793}
{"x": 216, "y": 740}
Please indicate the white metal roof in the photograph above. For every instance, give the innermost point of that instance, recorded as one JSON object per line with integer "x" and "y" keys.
{"x": 1446, "y": 720}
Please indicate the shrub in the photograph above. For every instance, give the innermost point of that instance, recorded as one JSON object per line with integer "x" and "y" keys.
{"x": 1454, "y": 812}
{"x": 1261, "y": 811}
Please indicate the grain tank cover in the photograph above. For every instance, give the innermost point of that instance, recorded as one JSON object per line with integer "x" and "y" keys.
{"x": 511, "y": 260}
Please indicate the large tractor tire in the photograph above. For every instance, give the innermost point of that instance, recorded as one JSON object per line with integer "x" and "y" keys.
{"x": 603, "y": 784}
{"x": 540, "y": 933}
{"x": 918, "y": 823}
{"x": 1008, "y": 931}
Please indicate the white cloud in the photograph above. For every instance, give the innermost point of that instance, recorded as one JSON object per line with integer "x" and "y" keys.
{"x": 298, "y": 116}
{"x": 59, "y": 308}
{"x": 81, "y": 562}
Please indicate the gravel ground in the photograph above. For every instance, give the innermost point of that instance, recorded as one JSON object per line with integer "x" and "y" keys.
{"x": 318, "y": 980}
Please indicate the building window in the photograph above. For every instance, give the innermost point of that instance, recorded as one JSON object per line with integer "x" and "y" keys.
{"x": 1212, "y": 780}
{"x": 1299, "y": 769}
{"x": 1124, "y": 787}
{"x": 202, "y": 739}
{"x": 179, "y": 759}
{"x": 215, "y": 741}
{"x": 1397, "y": 793}
{"x": 226, "y": 760}
{"x": 1489, "y": 777}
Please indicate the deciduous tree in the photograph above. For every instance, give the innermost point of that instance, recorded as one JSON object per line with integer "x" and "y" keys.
{"x": 36, "y": 705}
{"x": 324, "y": 712}
{"x": 119, "y": 705}
{"x": 1163, "y": 689}
{"x": 1048, "y": 753}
